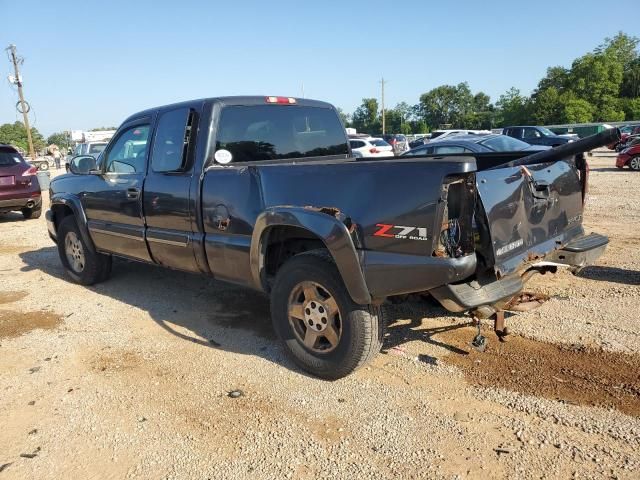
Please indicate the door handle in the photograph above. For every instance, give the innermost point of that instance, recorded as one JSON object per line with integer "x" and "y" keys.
{"x": 133, "y": 193}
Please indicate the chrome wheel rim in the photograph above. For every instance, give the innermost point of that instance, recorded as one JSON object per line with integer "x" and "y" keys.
{"x": 315, "y": 317}
{"x": 74, "y": 251}
{"x": 635, "y": 163}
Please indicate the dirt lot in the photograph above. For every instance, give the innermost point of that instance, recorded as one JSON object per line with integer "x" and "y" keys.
{"x": 130, "y": 378}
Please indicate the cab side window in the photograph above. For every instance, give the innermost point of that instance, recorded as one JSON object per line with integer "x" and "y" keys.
{"x": 171, "y": 140}
{"x": 129, "y": 152}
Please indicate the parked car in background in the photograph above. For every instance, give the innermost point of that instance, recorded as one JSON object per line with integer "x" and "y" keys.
{"x": 399, "y": 142}
{"x": 89, "y": 148}
{"x": 19, "y": 187}
{"x": 537, "y": 135}
{"x": 630, "y": 157}
{"x": 474, "y": 144}
{"x": 627, "y": 134}
{"x": 419, "y": 141}
{"x": 442, "y": 134}
{"x": 370, "y": 147}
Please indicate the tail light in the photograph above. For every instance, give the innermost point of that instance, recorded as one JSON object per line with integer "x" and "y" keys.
{"x": 30, "y": 172}
{"x": 373, "y": 150}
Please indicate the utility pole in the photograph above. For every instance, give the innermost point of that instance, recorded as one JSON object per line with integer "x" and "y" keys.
{"x": 24, "y": 105}
{"x": 383, "y": 119}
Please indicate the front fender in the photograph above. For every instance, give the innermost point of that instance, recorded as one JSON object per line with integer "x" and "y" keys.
{"x": 73, "y": 203}
{"x": 329, "y": 229}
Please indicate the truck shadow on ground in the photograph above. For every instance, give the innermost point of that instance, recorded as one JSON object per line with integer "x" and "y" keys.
{"x": 213, "y": 313}
{"x": 610, "y": 274}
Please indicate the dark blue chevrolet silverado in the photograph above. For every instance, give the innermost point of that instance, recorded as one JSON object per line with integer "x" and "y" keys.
{"x": 263, "y": 192}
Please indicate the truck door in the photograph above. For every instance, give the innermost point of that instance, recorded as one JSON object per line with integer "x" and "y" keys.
{"x": 169, "y": 211}
{"x": 112, "y": 200}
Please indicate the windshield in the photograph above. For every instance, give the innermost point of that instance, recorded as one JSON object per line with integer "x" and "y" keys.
{"x": 546, "y": 132}
{"x": 378, "y": 142}
{"x": 504, "y": 143}
{"x": 96, "y": 147}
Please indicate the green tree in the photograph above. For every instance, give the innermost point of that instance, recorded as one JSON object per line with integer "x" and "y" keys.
{"x": 596, "y": 78}
{"x": 345, "y": 117}
{"x": 611, "y": 110}
{"x": 16, "y": 134}
{"x": 99, "y": 129}
{"x": 622, "y": 47}
{"x": 631, "y": 107}
{"x": 556, "y": 77}
{"x": 446, "y": 104}
{"x": 512, "y": 107}
{"x": 576, "y": 110}
{"x": 61, "y": 139}
{"x": 366, "y": 117}
{"x": 546, "y": 108}
{"x": 631, "y": 81}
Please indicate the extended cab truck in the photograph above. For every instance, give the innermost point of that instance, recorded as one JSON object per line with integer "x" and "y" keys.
{"x": 263, "y": 192}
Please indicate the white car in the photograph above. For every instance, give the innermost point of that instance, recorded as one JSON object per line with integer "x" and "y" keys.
{"x": 438, "y": 135}
{"x": 370, "y": 147}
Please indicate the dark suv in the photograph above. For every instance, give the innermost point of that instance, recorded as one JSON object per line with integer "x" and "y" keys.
{"x": 19, "y": 188}
{"x": 536, "y": 136}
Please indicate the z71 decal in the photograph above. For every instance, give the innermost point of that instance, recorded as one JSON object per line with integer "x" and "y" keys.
{"x": 401, "y": 232}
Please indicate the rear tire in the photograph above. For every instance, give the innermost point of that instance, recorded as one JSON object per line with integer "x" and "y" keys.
{"x": 44, "y": 166}
{"x": 323, "y": 330}
{"x": 81, "y": 264}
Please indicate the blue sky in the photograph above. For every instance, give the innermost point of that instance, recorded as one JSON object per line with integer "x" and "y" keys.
{"x": 90, "y": 63}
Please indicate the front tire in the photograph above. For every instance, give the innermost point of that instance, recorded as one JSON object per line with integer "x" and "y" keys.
{"x": 323, "y": 330}
{"x": 81, "y": 264}
{"x": 634, "y": 163}
{"x": 44, "y": 166}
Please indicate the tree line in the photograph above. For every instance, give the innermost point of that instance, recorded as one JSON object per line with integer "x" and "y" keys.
{"x": 600, "y": 86}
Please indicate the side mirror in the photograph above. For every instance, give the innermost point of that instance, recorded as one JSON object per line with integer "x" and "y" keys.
{"x": 82, "y": 165}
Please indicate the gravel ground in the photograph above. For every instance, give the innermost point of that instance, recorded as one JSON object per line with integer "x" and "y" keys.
{"x": 130, "y": 378}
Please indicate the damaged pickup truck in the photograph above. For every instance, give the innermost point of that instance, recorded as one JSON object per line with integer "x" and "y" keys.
{"x": 264, "y": 192}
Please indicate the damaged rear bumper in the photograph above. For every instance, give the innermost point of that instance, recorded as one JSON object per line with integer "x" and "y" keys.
{"x": 461, "y": 297}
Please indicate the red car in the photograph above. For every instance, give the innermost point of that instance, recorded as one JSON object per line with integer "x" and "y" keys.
{"x": 629, "y": 156}
{"x": 19, "y": 187}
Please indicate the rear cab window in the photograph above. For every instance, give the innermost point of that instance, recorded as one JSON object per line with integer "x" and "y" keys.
{"x": 9, "y": 157}
{"x": 255, "y": 133}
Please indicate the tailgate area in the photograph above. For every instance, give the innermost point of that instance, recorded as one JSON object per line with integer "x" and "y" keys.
{"x": 529, "y": 212}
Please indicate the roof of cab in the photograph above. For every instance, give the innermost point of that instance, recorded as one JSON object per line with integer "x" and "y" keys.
{"x": 237, "y": 100}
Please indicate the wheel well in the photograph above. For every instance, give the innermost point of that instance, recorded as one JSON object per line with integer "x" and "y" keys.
{"x": 283, "y": 242}
{"x": 59, "y": 213}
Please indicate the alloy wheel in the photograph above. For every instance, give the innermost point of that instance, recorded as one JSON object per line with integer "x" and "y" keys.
{"x": 315, "y": 317}
{"x": 74, "y": 252}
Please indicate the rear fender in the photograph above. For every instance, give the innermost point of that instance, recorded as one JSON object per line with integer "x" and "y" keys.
{"x": 333, "y": 233}
{"x": 73, "y": 202}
